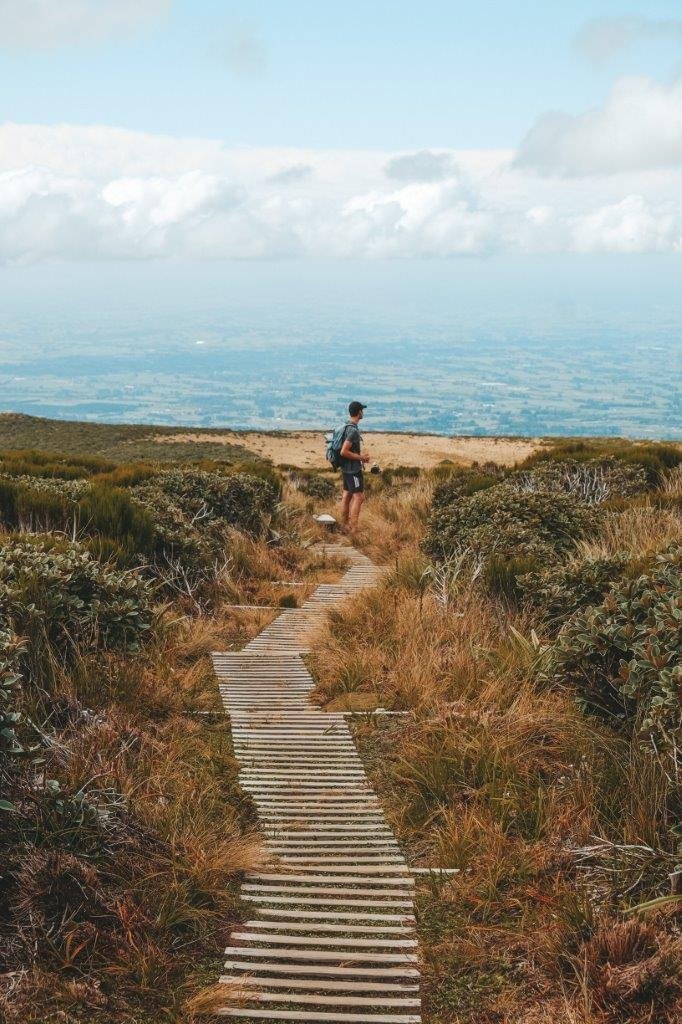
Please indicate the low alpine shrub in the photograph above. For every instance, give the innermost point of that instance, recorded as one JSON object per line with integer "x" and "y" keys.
{"x": 560, "y": 590}
{"x": 622, "y": 656}
{"x": 315, "y": 485}
{"x": 55, "y": 593}
{"x": 591, "y": 480}
{"x": 504, "y": 522}
{"x": 655, "y": 458}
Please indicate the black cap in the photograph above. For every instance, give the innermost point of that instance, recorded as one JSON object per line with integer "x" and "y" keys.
{"x": 355, "y": 407}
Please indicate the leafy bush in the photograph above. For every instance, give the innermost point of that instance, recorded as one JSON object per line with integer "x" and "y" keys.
{"x": 461, "y": 483}
{"x": 110, "y": 512}
{"x": 623, "y": 656}
{"x": 173, "y": 518}
{"x": 591, "y": 480}
{"x": 34, "y": 505}
{"x": 561, "y": 590}
{"x": 54, "y": 592}
{"x": 655, "y": 458}
{"x": 10, "y": 716}
{"x": 239, "y": 500}
{"x": 315, "y": 485}
{"x": 503, "y": 522}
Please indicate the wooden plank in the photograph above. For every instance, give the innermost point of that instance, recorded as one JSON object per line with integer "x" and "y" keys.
{"x": 329, "y": 986}
{"x": 340, "y": 915}
{"x": 323, "y": 927}
{"x": 341, "y": 857}
{"x": 351, "y": 831}
{"x": 313, "y": 901}
{"x": 322, "y": 942}
{"x": 324, "y": 970}
{"x": 342, "y": 879}
{"x": 318, "y": 890}
{"x": 346, "y": 956}
{"x": 319, "y": 999}
{"x": 320, "y": 1018}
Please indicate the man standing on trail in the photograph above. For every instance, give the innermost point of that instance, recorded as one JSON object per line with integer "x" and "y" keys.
{"x": 352, "y": 468}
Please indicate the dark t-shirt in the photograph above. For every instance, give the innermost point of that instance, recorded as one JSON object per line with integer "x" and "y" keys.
{"x": 352, "y": 435}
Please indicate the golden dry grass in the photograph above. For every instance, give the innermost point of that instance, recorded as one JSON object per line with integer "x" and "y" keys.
{"x": 636, "y": 531}
{"x": 502, "y": 778}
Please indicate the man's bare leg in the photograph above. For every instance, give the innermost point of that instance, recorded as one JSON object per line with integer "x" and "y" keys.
{"x": 354, "y": 514}
{"x": 345, "y": 508}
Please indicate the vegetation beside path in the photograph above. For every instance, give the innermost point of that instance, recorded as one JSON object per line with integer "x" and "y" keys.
{"x": 531, "y": 626}
{"x": 122, "y": 828}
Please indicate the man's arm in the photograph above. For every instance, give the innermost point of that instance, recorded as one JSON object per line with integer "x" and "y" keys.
{"x": 346, "y": 452}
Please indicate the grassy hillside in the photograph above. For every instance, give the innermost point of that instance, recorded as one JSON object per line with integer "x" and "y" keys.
{"x": 120, "y": 442}
{"x": 122, "y": 830}
{"x": 529, "y": 625}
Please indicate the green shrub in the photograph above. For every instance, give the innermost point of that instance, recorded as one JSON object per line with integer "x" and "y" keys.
{"x": 461, "y": 483}
{"x": 501, "y": 572}
{"x": 655, "y": 458}
{"x": 57, "y": 594}
{"x": 10, "y": 716}
{"x": 263, "y": 470}
{"x": 239, "y": 500}
{"x": 34, "y": 506}
{"x": 171, "y": 521}
{"x": 590, "y": 480}
{"x": 504, "y": 522}
{"x": 561, "y": 590}
{"x": 623, "y": 656}
{"x": 315, "y": 485}
{"x": 8, "y": 504}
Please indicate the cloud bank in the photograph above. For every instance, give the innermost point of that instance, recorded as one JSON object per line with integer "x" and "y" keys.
{"x": 603, "y": 38}
{"x": 77, "y": 193}
{"x": 639, "y": 127}
{"x": 46, "y": 24}
{"x": 422, "y": 166}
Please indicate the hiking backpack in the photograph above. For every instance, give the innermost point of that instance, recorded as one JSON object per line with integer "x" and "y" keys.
{"x": 334, "y": 446}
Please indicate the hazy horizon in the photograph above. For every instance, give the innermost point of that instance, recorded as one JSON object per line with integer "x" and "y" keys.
{"x": 501, "y": 347}
{"x": 469, "y": 214}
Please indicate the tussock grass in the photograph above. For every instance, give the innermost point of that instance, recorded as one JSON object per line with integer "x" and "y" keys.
{"x": 558, "y": 824}
{"x": 638, "y": 532}
{"x": 113, "y": 910}
{"x": 122, "y": 860}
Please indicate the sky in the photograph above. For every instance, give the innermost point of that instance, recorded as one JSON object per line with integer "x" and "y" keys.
{"x": 167, "y": 132}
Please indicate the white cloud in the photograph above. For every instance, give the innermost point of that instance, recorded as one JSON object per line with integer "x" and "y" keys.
{"x": 630, "y": 226}
{"x": 422, "y": 166}
{"x": 292, "y": 175}
{"x": 45, "y": 24}
{"x": 418, "y": 220}
{"x": 72, "y": 193}
{"x": 639, "y": 127}
{"x": 603, "y": 38}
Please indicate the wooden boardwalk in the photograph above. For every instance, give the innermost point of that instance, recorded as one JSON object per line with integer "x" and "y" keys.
{"x": 332, "y": 936}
